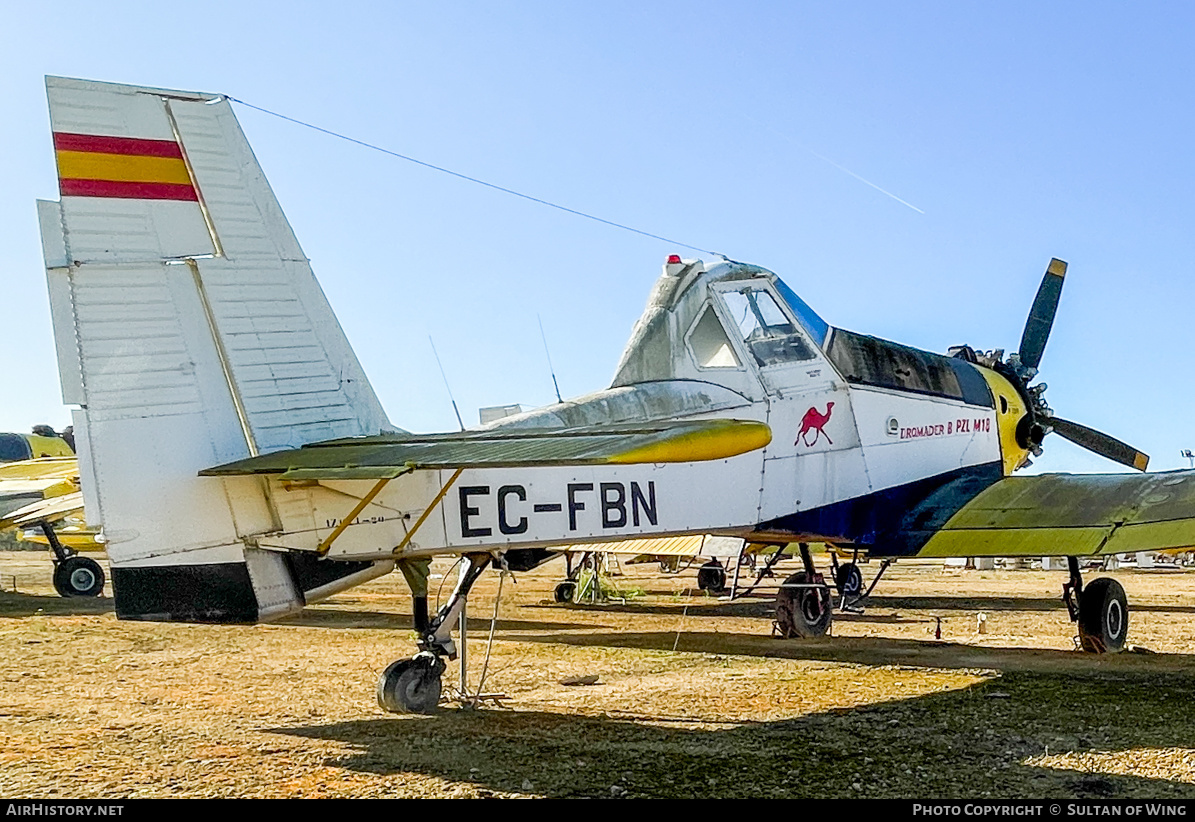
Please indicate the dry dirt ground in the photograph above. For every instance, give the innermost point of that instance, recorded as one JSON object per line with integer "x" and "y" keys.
{"x": 693, "y": 697}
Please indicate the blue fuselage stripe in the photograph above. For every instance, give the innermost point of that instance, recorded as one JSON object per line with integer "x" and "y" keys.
{"x": 894, "y": 522}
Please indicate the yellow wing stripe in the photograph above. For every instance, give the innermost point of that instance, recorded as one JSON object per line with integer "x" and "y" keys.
{"x": 720, "y": 442}
{"x": 1036, "y": 542}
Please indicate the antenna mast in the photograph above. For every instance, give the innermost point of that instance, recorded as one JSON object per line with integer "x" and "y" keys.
{"x": 551, "y": 369}
{"x": 459, "y": 421}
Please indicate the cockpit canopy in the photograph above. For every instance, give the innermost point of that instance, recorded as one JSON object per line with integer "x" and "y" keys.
{"x": 735, "y": 324}
{"x": 685, "y": 332}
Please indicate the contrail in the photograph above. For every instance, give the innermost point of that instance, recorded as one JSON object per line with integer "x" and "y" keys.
{"x": 844, "y": 169}
{"x": 862, "y": 180}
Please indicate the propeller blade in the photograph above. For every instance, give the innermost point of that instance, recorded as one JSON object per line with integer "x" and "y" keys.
{"x": 1041, "y": 316}
{"x": 1100, "y": 443}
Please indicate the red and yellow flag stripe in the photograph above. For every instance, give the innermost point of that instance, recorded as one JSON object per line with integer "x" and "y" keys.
{"x": 95, "y": 166}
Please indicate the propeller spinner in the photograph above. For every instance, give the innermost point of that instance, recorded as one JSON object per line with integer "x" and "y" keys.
{"x": 1021, "y": 368}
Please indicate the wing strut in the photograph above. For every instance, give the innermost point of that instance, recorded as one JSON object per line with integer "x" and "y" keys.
{"x": 322, "y": 548}
{"x": 427, "y": 511}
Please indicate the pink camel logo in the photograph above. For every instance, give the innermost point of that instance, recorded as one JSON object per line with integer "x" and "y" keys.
{"x": 815, "y": 421}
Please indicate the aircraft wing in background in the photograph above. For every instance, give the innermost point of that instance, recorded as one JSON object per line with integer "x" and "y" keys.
{"x": 28, "y": 481}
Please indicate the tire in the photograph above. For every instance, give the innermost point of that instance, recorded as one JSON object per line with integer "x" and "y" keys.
{"x": 565, "y": 591}
{"x": 802, "y": 612}
{"x": 411, "y": 685}
{"x": 712, "y": 577}
{"x": 79, "y": 577}
{"x": 849, "y": 580}
{"x": 1103, "y": 616}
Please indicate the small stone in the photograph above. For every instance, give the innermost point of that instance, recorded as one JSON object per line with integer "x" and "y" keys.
{"x": 528, "y": 786}
{"x": 617, "y": 790}
{"x": 588, "y": 679}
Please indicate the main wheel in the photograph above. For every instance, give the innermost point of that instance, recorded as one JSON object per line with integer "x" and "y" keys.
{"x": 712, "y": 577}
{"x": 802, "y": 612}
{"x": 565, "y": 591}
{"x": 79, "y": 577}
{"x": 411, "y": 685}
{"x": 850, "y": 580}
{"x": 1103, "y": 616}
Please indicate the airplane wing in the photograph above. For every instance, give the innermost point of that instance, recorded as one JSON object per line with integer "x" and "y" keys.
{"x": 52, "y": 509}
{"x": 391, "y": 455}
{"x": 55, "y": 468}
{"x": 650, "y": 549}
{"x": 1072, "y": 514}
{"x": 32, "y": 480}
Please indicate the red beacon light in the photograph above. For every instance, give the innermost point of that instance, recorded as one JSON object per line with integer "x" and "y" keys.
{"x": 674, "y": 266}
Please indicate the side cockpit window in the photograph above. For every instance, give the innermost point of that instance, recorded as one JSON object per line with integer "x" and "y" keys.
{"x": 709, "y": 344}
{"x": 765, "y": 328}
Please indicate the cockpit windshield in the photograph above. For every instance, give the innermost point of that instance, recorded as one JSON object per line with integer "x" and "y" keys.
{"x": 765, "y": 328}
{"x": 806, "y": 316}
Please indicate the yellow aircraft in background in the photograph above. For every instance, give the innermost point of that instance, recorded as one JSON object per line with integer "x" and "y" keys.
{"x": 41, "y": 500}
{"x": 43, "y": 442}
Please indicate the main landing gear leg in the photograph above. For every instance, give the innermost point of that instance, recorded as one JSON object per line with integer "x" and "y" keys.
{"x": 414, "y": 685}
{"x": 1101, "y": 611}
{"x": 803, "y": 602}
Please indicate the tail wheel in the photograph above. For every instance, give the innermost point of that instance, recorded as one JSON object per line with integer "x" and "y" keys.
{"x": 849, "y": 580}
{"x": 803, "y": 612}
{"x": 78, "y": 577}
{"x": 1103, "y": 616}
{"x": 712, "y": 577}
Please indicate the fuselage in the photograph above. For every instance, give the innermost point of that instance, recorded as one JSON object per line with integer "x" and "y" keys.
{"x": 873, "y": 443}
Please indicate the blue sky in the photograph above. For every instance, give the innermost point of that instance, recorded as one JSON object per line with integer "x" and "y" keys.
{"x": 1012, "y": 132}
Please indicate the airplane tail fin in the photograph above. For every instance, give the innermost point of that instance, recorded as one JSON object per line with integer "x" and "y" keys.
{"x": 190, "y": 332}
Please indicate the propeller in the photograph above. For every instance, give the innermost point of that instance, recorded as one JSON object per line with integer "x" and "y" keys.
{"x": 1041, "y": 315}
{"x": 1021, "y": 368}
{"x": 1100, "y": 443}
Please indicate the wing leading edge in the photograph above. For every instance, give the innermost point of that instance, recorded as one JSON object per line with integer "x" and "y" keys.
{"x": 391, "y": 455}
{"x": 1073, "y": 514}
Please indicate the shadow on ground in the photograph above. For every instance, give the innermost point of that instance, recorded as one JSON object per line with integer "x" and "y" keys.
{"x": 972, "y": 742}
{"x": 315, "y": 617}
{"x": 759, "y": 606}
{"x": 878, "y": 651}
{"x": 16, "y": 604}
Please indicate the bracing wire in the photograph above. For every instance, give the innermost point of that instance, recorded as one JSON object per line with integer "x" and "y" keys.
{"x": 489, "y": 645}
{"x": 467, "y": 178}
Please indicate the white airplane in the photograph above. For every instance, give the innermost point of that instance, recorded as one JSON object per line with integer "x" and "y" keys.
{"x": 241, "y": 465}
